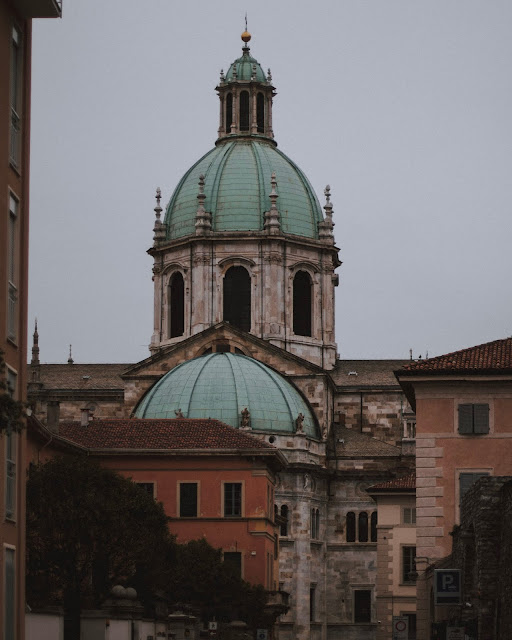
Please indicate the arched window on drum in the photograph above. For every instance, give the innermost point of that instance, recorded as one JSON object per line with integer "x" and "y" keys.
{"x": 237, "y": 298}
{"x": 176, "y": 305}
{"x": 302, "y": 287}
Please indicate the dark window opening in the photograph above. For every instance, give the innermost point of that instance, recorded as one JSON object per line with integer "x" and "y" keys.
{"x": 233, "y": 561}
{"x": 315, "y": 524}
{"x": 237, "y": 298}
{"x": 188, "y": 499}
{"x": 467, "y": 480}
{"x": 362, "y": 606}
{"x": 222, "y": 348}
{"x": 408, "y": 565}
{"x": 312, "y": 603}
{"x": 284, "y": 520}
{"x": 411, "y": 617}
{"x": 176, "y": 306}
{"x": 148, "y": 487}
{"x": 237, "y": 350}
{"x": 351, "y": 526}
{"x": 260, "y": 113}
{"x": 207, "y": 351}
{"x": 302, "y": 304}
{"x": 229, "y": 112}
{"x": 363, "y": 527}
{"x": 373, "y": 527}
{"x": 233, "y": 499}
{"x": 244, "y": 111}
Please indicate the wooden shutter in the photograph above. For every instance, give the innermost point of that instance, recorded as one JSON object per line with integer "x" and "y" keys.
{"x": 481, "y": 418}
{"x": 465, "y": 418}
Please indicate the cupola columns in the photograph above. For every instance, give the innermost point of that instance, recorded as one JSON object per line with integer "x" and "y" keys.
{"x": 245, "y": 95}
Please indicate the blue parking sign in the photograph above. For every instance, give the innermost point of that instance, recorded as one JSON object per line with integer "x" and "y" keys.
{"x": 447, "y": 586}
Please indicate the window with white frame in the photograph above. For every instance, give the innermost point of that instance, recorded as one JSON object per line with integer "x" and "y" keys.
{"x": 409, "y": 515}
{"x": 232, "y": 499}
{"x": 188, "y": 499}
{"x": 408, "y": 565}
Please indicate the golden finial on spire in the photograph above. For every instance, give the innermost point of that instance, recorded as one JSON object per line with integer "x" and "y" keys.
{"x": 246, "y": 36}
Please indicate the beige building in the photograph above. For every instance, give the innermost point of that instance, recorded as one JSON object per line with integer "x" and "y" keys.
{"x": 463, "y": 404}
{"x": 396, "y": 554}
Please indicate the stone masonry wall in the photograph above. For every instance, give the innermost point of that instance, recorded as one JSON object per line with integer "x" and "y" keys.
{"x": 378, "y": 414}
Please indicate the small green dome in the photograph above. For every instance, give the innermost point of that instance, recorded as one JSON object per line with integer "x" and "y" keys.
{"x": 244, "y": 68}
{"x": 221, "y": 386}
{"x": 237, "y": 187}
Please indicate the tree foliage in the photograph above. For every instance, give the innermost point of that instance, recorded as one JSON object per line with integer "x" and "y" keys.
{"x": 11, "y": 411}
{"x": 202, "y": 581}
{"x": 89, "y": 528}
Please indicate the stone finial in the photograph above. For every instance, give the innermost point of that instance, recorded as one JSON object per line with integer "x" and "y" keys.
{"x": 159, "y": 228}
{"x": 272, "y": 216}
{"x": 245, "y": 422}
{"x": 222, "y": 77}
{"x": 269, "y": 75}
{"x": 203, "y": 218}
{"x": 70, "y": 359}
{"x": 299, "y": 423}
{"x": 35, "y": 347}
{"x": 179, "y": 413}
{"x": 326, "y": 226}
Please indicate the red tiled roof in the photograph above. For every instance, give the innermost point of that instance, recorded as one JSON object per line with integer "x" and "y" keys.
{"x": 82, "y": 376}
{"x": 178, "y": 433}
{"x": 493, "y": 356}
{"x": 360, "y": 373}
{"x": 405, "y": 482}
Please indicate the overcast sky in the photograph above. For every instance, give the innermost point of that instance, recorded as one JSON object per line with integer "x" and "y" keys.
{"x": 403, "y": 106}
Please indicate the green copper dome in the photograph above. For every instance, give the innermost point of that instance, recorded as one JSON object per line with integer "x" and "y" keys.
{"x": 221, "y": 386}
{"x": 244, "y": 68}
{"x": 237, "y": 187}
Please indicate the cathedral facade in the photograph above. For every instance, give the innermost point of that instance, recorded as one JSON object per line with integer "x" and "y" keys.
{"x": 244, "y": 280}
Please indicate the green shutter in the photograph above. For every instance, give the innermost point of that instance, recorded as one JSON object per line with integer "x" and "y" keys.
{"x": 465, "y": 418}
{"x": 481, "y": 418}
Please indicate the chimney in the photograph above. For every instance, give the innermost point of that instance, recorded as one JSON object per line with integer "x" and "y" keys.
{"x": 53, "y": 415}
{"x": 84, "y": 419}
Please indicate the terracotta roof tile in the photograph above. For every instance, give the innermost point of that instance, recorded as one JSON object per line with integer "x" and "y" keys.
{"x": 358, "y": 373}
{"x": 405, "y": 482}
{"x": 178, "y": 433}
{"x": 493, "y": 356}
{"x": 82, "y": 376}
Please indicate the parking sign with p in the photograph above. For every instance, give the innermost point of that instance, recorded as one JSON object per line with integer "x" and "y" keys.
{"x": 447, "y": 586}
